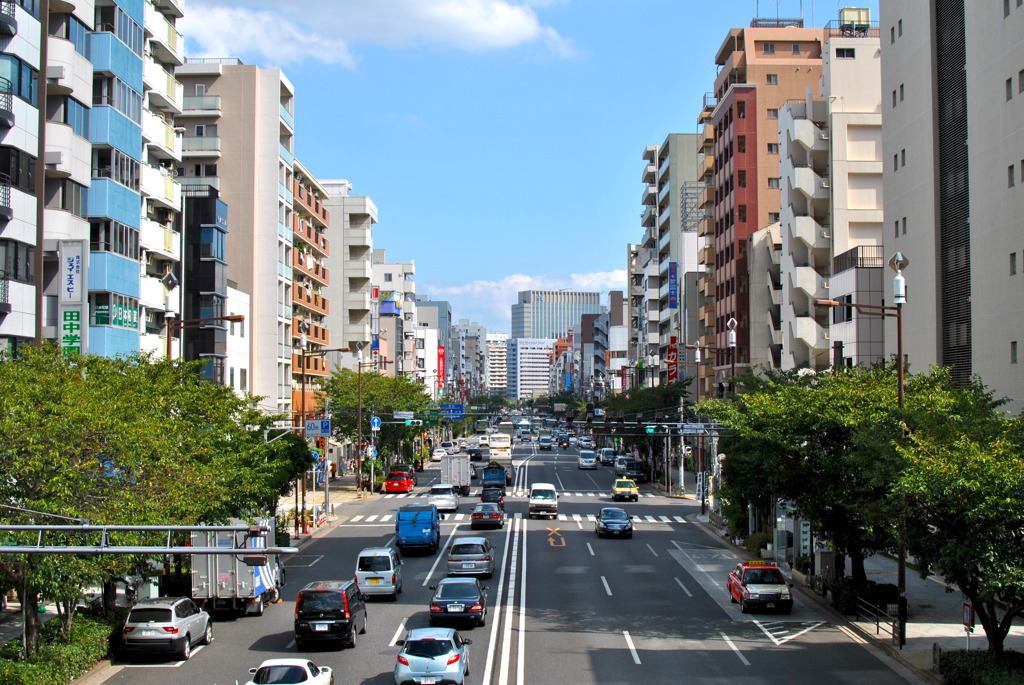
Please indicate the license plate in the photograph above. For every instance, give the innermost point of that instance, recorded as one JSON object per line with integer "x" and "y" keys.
{"x": 320, "y": 627}
{"x": 470, "y": 565}
{"x": 456, "y": 608}
{"x": 148, "y": 633}
{"x": 771, "y": 605}
{"x": 427, "y": 681}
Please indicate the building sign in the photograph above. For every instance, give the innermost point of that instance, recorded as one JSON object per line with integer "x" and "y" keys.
{"x": 117, "y": 314}
{"x": 673, "y": 288}
{"x": 390, "y": 303}
{"x": 672, "y": 360}
{"x": 374, "y": 292}
{"x": 72, "y": 304}
{"x": 440, "y": 366}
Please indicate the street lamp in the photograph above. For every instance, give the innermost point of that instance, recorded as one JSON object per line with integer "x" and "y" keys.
{"x": 898, "y": 262}
{"x": 700, "y": 455}
{"x": 731, "y": 325}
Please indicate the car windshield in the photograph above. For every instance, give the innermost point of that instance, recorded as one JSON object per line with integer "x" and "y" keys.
{"x": 147, "y": 615}
{"x": 624, "y": 484}
{"x": 374, "y": 564}
{"x": 457, "y": 591}
{"x": 763, "y": 577}
{"x": 427, "y": 648}
{"x": 542, "y": 494}
{"x": 280, "y": 674}
{"x": 614, "y": 515}
{"x": 439, "y": 490}
{"x": 467, "y": 548}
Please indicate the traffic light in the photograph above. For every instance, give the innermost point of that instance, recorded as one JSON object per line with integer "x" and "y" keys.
{"x": 413, "y": 422}
{"x": 590, "y": 414}
{"x": 639, "y": 418}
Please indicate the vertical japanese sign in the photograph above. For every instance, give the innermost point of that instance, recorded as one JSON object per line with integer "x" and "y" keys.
{"x": 72, "y": 306}
{"x": 672, "y": 360}
{"x": 673, "y": 287}
{"x": 440, "y": 366}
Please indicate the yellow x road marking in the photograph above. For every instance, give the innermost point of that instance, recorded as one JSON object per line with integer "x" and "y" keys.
{"x": 555, "y": 538}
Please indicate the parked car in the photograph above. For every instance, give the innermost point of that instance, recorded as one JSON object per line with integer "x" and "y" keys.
{"x": 606, "y": 455}
{"x": 494, "y": 495}
{"x": 438, "y": 454}
{"x": 399, "y": 481}
{"x": 458, "y": 599}
{"x": 620, "y": 464}
{"x": 760, "y": 585}
{"x": 329, "y": 610}
{"x": 471, "y": 556}
{"x": 432, "y": 654}
{"x": 635, "y": 471}
{"x": 613, "y": 521}
{"x": 288, "y": 671}
{"x": 166, "y": 625}
{"x": 487, "y": 514}
{"x": 444, "y": 497}
{"x": 379, "y": 572}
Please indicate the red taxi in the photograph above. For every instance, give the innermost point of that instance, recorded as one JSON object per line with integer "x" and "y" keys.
{"x": 760, "y": 585}
{"x": 398, "y": 481}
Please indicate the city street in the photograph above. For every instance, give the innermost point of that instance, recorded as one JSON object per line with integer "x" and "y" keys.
{"x": 565, "y": 606}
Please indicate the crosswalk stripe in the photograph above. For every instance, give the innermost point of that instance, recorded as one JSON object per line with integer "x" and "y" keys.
{"x": 651, "y": 519}
{"x": 459, "y": 517}
{"x": 666, "y": 519}
{"x": 591, "y": 517}
{"x": 389, "y": 496}
{"x": 591, "y": 494}
{"x": 357, "y": 518}
{"x": 577, "y": 518}
{"x": 563, "y": 517}
{"x": 518, "y": 515}
{"x": 679, "y": 519}
{"x": 385, "y": 517}
{"x": 371, "y": 518}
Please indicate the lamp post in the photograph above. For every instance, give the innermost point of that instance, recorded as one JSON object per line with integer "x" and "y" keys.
{"x": 700, "y": 455}
{"x": 731, "y": 325}
{"x": 898, "y": 262}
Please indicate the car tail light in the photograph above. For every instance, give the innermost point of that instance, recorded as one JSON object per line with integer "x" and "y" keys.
{"x": 476, "y": 607}
{"x": 454, "y": 659}
{"x": 344, "y": 596}
{"x": 402, "y": 660}
{"x": 170, "y": 629}
{"x": 297, "y": 600}
{"x": 392, "y": 578}
{"x": 127, "y": 629}
{"x": 434, "y": 607}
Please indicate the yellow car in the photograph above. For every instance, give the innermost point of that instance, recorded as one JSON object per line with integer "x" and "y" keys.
{"x": 625, "y": 489}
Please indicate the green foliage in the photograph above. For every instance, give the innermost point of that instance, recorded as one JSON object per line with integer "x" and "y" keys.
{"x": 58, "y": 661}
{"x": 802, "y": 564}
{"x": 756, "y": 542}
{"x": 962, "y": 667}
{"x": 844, "y": 596}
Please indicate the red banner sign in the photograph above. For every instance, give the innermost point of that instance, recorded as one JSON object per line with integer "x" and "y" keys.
{"x": 672, "y": 359}
{"x": 440, "y": 366}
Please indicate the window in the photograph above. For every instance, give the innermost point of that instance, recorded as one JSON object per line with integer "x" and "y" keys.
{"x": 211, "y": 306}
{"x": 17, "y": 260}
{"x": 895, "y": 162}
{"x": 846, "y": 53}
{"x": 1013, "y": 263}
{"x": 893, "y": 98}
{"x": 774, "y": 182}
{"x": 212, "y": 244}
{"x": 75, "y": 31}
{"x": 113, "y": 309}
{"x": 1006, "y": 8}
{"x": 242, "y": 379}
{"x": 773, "y": 217}
{"x": 67, "y": 195}
{"x": 113, "y": 19}
{"x": 741, "y": 144}
{"x": 796, "y": 48}
{"x": 231, "y": 377}
{"x": 109, "y": 162}
{"x": 896, "y": 229}
{"x": 769, "y": 48}
{"x": 114, "y": 237}
{"x": 741, "y": 214}
{"x": 741, "y": 178}
{"x": 23, "y": 78}
{"x": 76, "y": 115}
{"x": 113, "y": 92}
{"x": 1009, "y": 88}
{"x": 892, "y": 34}
{"x": 773, "y": 148}
{"x": 1011, "y": 179}
{"x": 900, "y": 25}
{"x": 20, "y": 168}
{"x": 903, "y": 157}
{"x": 772, "y": 79}
{"x": 773, "y": 114}
{"x": 387, "y": 277}
{"x": 1013, "y": 351}
{"x": 200, "y": 89}
{"x": 1020, "y": 81}
{"x": 741, "y": 110}
{"x": 901, "y": 92}
{"x": 904, "y": 225}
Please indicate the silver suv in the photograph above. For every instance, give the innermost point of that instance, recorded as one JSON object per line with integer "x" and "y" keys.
{"x": 166, "y": 624}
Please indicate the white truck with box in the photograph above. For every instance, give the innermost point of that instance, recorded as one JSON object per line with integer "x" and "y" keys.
{"x": 237, "y": 582}
{"x": 456, "y": 470}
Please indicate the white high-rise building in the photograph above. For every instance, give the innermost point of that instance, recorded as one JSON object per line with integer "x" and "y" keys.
{"x": 496, "y": 370}
{"x": 529, "y": 367}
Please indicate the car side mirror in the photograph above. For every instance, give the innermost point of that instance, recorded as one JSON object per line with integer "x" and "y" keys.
{"x": 400, "y": 643}
{"x": 486, "y": 588}
{"x": 252, "y": 670}
{"x": 467, "y": 641}
{"x": 433, "y": 587}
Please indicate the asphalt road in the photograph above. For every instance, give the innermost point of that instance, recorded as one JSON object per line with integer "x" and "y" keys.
{"x": 565, "y": 607}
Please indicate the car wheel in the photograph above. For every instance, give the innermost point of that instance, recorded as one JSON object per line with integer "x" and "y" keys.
{"x": 352, "y": 638}
{"x": 362, "y": 630}
{"x": 208, "y": 635}
{"x": 259, "y": 606}
{"x": 186, "y": 649}
{"x": 732, "y": 598}
{"x": 743, "y": 607}
{"x": 483, "y": 618}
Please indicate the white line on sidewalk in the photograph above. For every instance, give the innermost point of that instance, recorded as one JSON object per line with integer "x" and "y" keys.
{"x": 398, "y": 632}
{"x": 606, "y": 588}
{"x": 632, "y": 648}
{"x": 735, "y": 649}
{"x": 652, "y": 550}
{"x": 680, "y": 584}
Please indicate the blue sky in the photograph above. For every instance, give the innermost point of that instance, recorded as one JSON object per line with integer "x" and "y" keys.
{"x": 501, "y": 140}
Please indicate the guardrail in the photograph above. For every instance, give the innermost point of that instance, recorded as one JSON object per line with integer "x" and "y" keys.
{"x": 883, "y": 621}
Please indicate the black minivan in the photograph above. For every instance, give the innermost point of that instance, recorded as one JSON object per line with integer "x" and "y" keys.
{"x": 329, "y": 610}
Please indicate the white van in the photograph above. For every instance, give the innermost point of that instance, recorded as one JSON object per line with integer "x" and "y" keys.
{"x": 543, "y": 500}
{"x": 379, "y": 572}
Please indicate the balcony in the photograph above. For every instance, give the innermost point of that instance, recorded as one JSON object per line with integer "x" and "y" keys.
{"x": 706, "y": 227}
{"x": 648, "y": 195}
{"x": 8, "y": 20}
{"x": 809, "y": 135}
{"x": 707, "y": 137}
{"x": 305, "y": 264}
{"x": 358, "y": 269}
{"x": 171, "y": 7}
{"x": 706, "y": 285}
{"x": 158, "y": 185}
{"x": 200, "y": 106}
{"x": 309, "y": 203}
{"x": 287, "y": 118}
{"x": 6, "y": 210}
{"x": 67, "y": 154}
{"x": 806, "y": 330}
{"x": 6, "y": 103}
{"x": 647, "y": 218}
{"x": 706, "y": 169}
{"x": 286, "y": 155}
{"x": 706, "y": 255}
{"x": 164, "y": 141}
{"x": 664, "y": 241}
{"x": 68, "y": 72}
{"x": 665, "y": 214}
{"x": 317, "y": 334}
{"x": 811, "y": 233}
{"x": 156, "y": 237}
{"x": 809, "y": 281}
{"x": 165, "y": 90}
{"x": 774, "y": 288}
{"x": 207, "y": 147}
{"x": 663, "y": 169}
{"x": 305, "y": 297}
{"x": 152, "y": 293}
{"x": 316, "y": 365}
{"x": 312, "y": 237}
{"x": 165, "y": 40}
{"x": 807, "y": 181}
{"x": 650, "y": 174}
{"x": 706, "y": 198}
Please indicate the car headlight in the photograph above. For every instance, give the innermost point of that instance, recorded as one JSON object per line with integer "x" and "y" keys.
{"x": 602, "y": 524}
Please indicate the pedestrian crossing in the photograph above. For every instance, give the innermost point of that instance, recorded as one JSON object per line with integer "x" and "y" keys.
{"x": 578, "y": 518}
{"x": 517, "y": 493}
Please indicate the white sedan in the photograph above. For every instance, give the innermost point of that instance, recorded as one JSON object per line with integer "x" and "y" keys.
{"x": 287, "y": 671}
{"x": 438, "y": 454}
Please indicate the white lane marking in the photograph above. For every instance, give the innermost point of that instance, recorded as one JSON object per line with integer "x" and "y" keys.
{"x": 563, "y": 517}
{"x": 712, "y": 582}
{"x": 607, "y": 589}
{"x": 357, "y": 518}
{"x": 680, "y": 584}
{"x": 371, "y": 518}
{"x": 632, "y": 648}
{"x": 401, "y": 627}
{"x": 385, "y": 517}
{"x": 590, "y": 549}
{"x": 651, "y": 519}
{"x": 591, "y": 494}
{"x": 591, "y": 518}
{"x": 561, "y": 487}
{"x": 290, "y": 645}
{"x": 389, "y": 496}
{"x": 440, "y": 554}
{"x": 520, "y": 665}
{"x": 666, "y": 519}
{"x": 577, "y": 518}
{"x": 652, "y": 550}
{"x": 459, "y": 517}
{"x": 735, "y": 649}
{"x": 176, "y": 664}
{"x": 495, "y": 620}
{"x": 784, "y": 632}
{"x": 506, "y": 638}
{"x": 679, "y": 519}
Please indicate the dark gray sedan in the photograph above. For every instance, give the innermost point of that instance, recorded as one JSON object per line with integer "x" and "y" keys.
{"x": 613, "y": 521}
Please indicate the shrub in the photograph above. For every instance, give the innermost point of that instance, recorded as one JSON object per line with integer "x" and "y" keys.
{"x": 802, "y": 564}
{"x": 844, "y": 596}
{"x": 974, "y": 667}
{"x": 756, "y": 542}
{"x": 58, "y": 662}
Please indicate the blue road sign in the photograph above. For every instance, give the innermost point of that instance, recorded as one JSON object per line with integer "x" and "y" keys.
{"x": 375, "y": 422}
{"x": 318, "y": 428}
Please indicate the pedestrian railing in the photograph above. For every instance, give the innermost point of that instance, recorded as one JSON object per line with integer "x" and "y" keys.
{"x": 884, "y": 622}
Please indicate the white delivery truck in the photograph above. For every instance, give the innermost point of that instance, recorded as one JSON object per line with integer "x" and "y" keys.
{"x": 226, "y": 581}
{"x": 455, "y": 469}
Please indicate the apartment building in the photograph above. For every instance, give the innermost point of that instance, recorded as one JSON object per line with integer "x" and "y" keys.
{"x": 496, "y": 369}
{"x": 761, "y": 68}
{"x": 529, "y": 367}
{"x": 472, "y": 346}
{"x": 953, "y": 176}
{"x": 352, "y": 264}
{"x": 617, "y": 360}
{"x": 395, "y": 319}
{"x": 703, "y": 333}
{"x": 550, "y": 313}
{"x": 239, "y": 136}
{"x": 310, "y": 226}
{"x": 832, "y": 204}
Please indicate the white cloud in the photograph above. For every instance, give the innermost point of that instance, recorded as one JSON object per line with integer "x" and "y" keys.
{"x": 490, "y": 302}
{"x": 325, "y": 29}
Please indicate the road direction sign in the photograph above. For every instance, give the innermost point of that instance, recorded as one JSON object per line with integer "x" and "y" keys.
{"x": 375, "y": 423}
{"x": 403, "y": 415}
{"x": 318, "y": 428}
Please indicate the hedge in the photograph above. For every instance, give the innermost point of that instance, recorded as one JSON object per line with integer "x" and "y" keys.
{"x": 58, "y": 662}
{"x": 975, "y": 667}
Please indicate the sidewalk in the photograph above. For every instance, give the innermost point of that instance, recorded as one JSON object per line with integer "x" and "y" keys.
{"x": 10, "y": 620}
{"x": 341, "y": 494}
